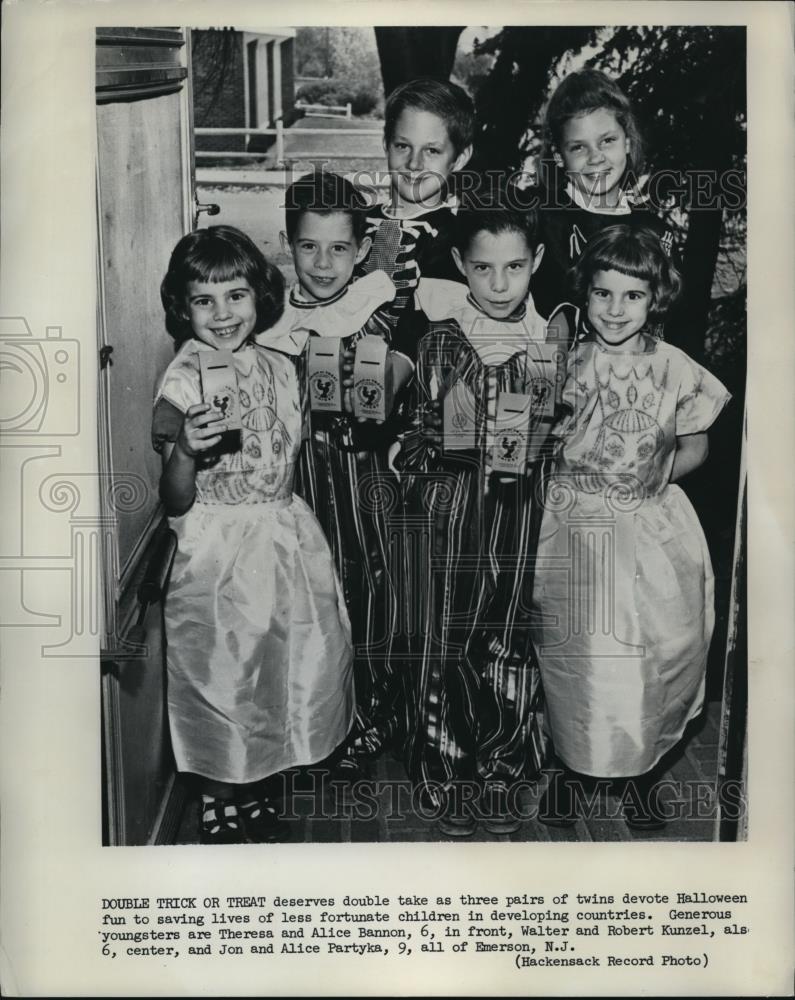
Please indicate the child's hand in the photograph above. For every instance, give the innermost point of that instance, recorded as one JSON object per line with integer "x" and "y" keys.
{"x": 200, "y": 430}
{"x": 432, "y": 422}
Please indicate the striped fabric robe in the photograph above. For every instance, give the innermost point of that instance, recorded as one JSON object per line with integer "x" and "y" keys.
{"x": 472, "y": 683}
{"x": 343, "y": 476}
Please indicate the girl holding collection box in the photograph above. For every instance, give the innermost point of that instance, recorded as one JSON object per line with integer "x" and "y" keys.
{"x": 259, "y": 653}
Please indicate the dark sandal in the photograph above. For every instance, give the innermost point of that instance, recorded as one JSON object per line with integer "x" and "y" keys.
{"x": 345, "y": 776}
{"x": 262, "y": 821}
{"x": 641, "y": 810}
{"x": 457, "y": 824}
{"x": 499, "y": 820}
{"x": 350, "y": 769}
{"x": 220, "y": 822}
{"x": 645, "y": 816}
{"x": 647, "y": 821}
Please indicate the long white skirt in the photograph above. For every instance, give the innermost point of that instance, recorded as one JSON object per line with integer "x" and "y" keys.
{"x": 626, "y": 595}
{"x": 259, "y": 649}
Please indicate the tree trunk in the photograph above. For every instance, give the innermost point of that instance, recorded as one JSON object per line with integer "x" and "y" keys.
{"x": 406, "y": 53}
{"x": 700, "y": 256}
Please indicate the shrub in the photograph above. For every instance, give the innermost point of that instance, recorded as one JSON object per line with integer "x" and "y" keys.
{"x": 324, "y": 92}
{"x": 329, "y": 92}
{"x": 363, "y": 101}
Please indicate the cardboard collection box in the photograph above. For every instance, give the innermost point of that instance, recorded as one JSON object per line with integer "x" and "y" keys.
{"x": 324, "y": 374}
{"x": 372, "y": 389}
{"x": 219, "y": 386}
{"x": 512, "y": 432}
{"x": 545, "y": 368}
{"x": 523, "y": 419}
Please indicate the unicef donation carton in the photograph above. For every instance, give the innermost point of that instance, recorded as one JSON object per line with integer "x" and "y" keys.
{"x": 219, "y": 386}
{"x": 512, "y": 432}
{"x": 372, "y": 391}
{"x": 545, "y": 372}
{"x": 524, "y": 419}
{"x": 324, "y": 374}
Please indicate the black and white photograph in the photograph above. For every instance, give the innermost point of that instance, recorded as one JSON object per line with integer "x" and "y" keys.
{"x": 438, "y": 522}
{"x": 396, "y": 573}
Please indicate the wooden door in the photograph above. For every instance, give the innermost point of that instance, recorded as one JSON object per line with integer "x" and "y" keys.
{"x": 145, "y": 203}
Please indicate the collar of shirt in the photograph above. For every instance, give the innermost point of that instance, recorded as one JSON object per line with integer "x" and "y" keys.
{"x": 450, "y": 201}
{"x": 494, "y": 340}
{"x": 341, "y": 316}
{"x": 622, "y": 208}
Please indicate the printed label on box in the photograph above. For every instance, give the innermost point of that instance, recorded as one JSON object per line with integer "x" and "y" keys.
{"x": 544, "y": 375}
{"x": 219, "y": 386}
{"x": 511, "y": 432}
{"x": 324, "y": 374}
{"x": 371, "y": 392}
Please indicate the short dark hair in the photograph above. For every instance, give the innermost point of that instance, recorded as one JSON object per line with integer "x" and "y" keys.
{"x": 446, "y": 100}
{"x": 324, "y": 192}
{"x": 499, "y": 211}
{"x": 219, "y": 253}
{"x": 581, "y": 93}
{"x": 635, "y": 251}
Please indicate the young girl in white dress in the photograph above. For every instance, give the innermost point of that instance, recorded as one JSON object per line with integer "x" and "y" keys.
{"x": 259, "y": 653}
{"x": 623, "y": 583}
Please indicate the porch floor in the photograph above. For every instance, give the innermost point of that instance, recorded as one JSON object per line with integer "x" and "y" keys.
{"x": 315, "y": 812}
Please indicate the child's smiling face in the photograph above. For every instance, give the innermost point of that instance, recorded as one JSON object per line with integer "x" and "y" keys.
{"x": 497, "y": 267}
{"x": 593, "y": 151}
{"x": 618, "y": 307}
{"x": 420, "y": 156}
{"x": 222, "y": 314}
{"x": 325, "y": 251}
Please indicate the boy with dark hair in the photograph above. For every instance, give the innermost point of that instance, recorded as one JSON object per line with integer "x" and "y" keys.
{"x": 343, "y": 465}
{"x": 473, "y": 690}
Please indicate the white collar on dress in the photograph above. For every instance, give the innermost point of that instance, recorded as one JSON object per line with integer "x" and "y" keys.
{"x": 494, "y": 340}
{"x": 339, "y": 317}
{"x": 622, "y": 208}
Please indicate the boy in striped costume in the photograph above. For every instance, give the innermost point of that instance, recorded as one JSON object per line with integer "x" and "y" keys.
{"x": 473, "y": 682}
{"x": 342, "y": 472}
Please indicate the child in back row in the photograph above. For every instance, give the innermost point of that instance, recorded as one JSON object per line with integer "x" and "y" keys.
{"x": 594, "y": 148}
{"x": 342, "y": 469}
{"x": 472, "y": 680}
{"x": 428, "y": 131}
